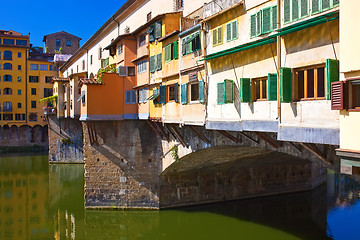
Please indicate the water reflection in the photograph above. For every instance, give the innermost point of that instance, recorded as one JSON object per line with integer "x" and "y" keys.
{"x": 38, "y": 201}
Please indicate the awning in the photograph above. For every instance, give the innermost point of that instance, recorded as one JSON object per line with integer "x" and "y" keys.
{"x": 155, "y": 95}
{"x": 81, "y": 96}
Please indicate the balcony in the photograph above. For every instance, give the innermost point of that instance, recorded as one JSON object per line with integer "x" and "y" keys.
{"x": 50, "y": 110}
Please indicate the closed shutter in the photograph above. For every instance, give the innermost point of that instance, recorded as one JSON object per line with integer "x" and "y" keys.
{"x": 214, "y": 36}
{"x": 325, "y": 5}
{"x": 245, "y": 90}
{"x": 122, "y": 71}
{"x": 220, "y": 35}
{"x": 285, "y": 84}
{"x": 176, "y": 49}
{"x": 162, "y": 94}
{"x": 228, "y": 32}
{"x": 294, "y": 10}
{"x": 158, "y": 30}
{"x": 176, "y": 92}
{"x": 315, "y": 6}
{"x": 258, "y": 23}
{"x": 158, "y": 62}
{"x": 272, "y": 86}
{"x": 183, "y": 93}
{"x": 183, "y": 50}
{"x": 287, "y": 13}
{"x": 128, "y": 97}
{"x": 332, "y": 74}
{"x": 201, "y": 91}
{"x": 266, "y": 20}
{"x": 152, "y": 64}
{"x": 221, "y": 93}
{"x": 304, "y": 8}
{"x": 167, "y": 51}
{"x": 229, "y": 91}
{"x": 337, "y": 95}
{"x": 274, "y": 18}
{"x": 253, "y": 25}
{"x": 133, "y": 96}
{"x": 234, "y": 28}
{"x": 335, "y": 3}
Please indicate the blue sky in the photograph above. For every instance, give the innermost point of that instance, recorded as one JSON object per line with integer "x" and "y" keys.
{"x": 78, "y": 17}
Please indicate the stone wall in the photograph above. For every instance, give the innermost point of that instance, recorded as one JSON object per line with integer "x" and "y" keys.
{"x": 65, "y": 140}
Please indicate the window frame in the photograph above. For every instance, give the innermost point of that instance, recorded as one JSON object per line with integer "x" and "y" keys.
{"x": 217, "y": 43}
{"x": 261, "y": 82}
{"x": 232, "y": 38}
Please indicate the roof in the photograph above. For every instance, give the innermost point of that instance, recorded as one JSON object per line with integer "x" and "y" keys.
{"x": 89, "y": 81}
{"x": 116, "y": 40}
{"x": 169, "y": 35}
{"x": 13, "y": 34}
{"x": 59, "y": 79}
{"x": 62, "y": 32}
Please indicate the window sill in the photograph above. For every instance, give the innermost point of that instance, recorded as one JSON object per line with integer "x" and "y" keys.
{"x": 354, "y": 110}
{"x": 309, "y": 99}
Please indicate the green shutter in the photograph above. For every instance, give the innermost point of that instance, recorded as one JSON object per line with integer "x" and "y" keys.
{"x": 176, "y": 49}
{"x": 229, "y": 91}
{"x": 176, "y": 92}
{"x": 197, "y": 44}
{"x": 158, "y": 30}
{"x": 221, "y": 93}
{"x": 294, "y": 10}
{"x": 315, "y": 6}
{"x": 287, "y": 11}
{"x": 245, "y": 90}
{"x": 152, "y": 64}
{"x": 325, "y": 5}
{"x": 220, "y": 35}
{"x": 183, "y": 93}
{"x": 304, "y": 8}
{"x": 272, "y": 86}
{"x": 266, "y": 20}
{"x": 183, "y": 50}
{"x": 162, "y": 94}
{"x": 201, "y": 91}
{"x": 234, "y": 27}
{"x": 158, "y": 62}
{"x": 335, "y": 3}
{"x": 228, "y": 32}
{"x": 214, "y": 36}
{"x": 258, "y": 23}
{"x": 332, "y": 75}
{"x": 253, "y": 25}
{"x": 274, "y": 18}
{"x": 285, "y": 84}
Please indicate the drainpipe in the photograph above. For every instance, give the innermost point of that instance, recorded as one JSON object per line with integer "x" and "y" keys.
{"x": 278, "y": 52}
{"x": 118, "y": 25}
{"x": 203, "y": 42}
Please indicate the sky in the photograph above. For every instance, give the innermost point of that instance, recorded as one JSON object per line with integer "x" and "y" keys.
{"x": 78, "y": 17}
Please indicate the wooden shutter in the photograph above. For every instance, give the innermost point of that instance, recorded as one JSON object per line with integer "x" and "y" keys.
{"x": 229, "y": 90}
{"x": 253, "y": 25}
{"x": 167, "y": 51}
{"x": 266, "y": 20}
{"x": 158, "y": 30}
{"x": 158, "y": 62}
{"x": 228, "y": 32}
{"x": 285, "y": 84}
{"x": 335, "y": 3}
{"x": 196, "y": 44}
{"x": 337, "y": 95}
{"x": 183, "y": 50}
{"x": 151, "y": 33}
{"x": 245, "y": 90}
{"x": 128, "y": 97}
{"x": 176, "y": 49}
{"x": 332, "y": 74}
{"x": 220, "y": 35}
{"x": 162, "y": 94}
{"x": 287, "y": 11}
{"x": 272, "y": 86}
{"x": 304, "y": 8}
{"x": 183, "y": 93}
{"x": 325, "y": 5}
{"x": 176, "y": 92}
{"x": 201, "y": 91}
{"x": 152, "y": 64}
{"x": 258, "y": 23}
{"x": 221, "y": 93}
{"x": 294, "y": 10}
{"x": 234, "y": 27}
{"x": 274, "y": 18}
{"x": 214, "y": 36}
{"x": 315, "y": 6}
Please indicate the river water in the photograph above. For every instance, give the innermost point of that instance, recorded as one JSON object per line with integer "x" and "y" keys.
{"x": 42, "y": 201}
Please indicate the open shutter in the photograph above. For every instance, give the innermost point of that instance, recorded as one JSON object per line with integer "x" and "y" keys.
{"x": 332, "y": 74}
{"x": 176, "y": 92}
{"x": 183, "y": 93}
{"x": 167, "y": 50}
{"x": 228, "y": 32}
{"x": 258, "y": 23}
{"x": 337, "y": 95}
{"x": 315, "y": 6}
{"x": 152, "y": 64}
{"x": 221, "y": 93}
{"x": 163, "y": 94}
{"x": 266, "y": 20}
{"x": 214, "y": 31}
{"x": 229, "y": 91}
{"x": 245, "y": 90}
{"x": 234, "y": 28}
{"x": 304, "y": 8}
{"x": 158, "y": 62}
{"x": 201, "y": 91}
{"x": 285, "y": 84}
{"x": 287, "y": 13}
{"x": 272, "y": 86}
{"x": 325, "y": 5}
{"x": 158, "y": 30}
{"x": 274, "y": 18}
{"x": 220, "y": 35}
{"x": 175, "y": 46}
{"x": 294, "y": 10}
{"x": 151, "y": 33}
{"x": 253, "y": 25}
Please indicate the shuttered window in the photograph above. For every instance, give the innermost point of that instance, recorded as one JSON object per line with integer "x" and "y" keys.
{"x": 171, "y": 52}
{"x": 176, "y": 92}
{"x": 258, "y": 22}
{"x": 130, "y": 97}
{"x": 263, "y": 21}
{"x": 232, "y": 31}
{"x": 272, "y": 86}
{"x": 253, "y": 25}
{"x": 217, "y": 36}
{"x": 158, "y": 62}
{"x": 162, "y": 96}
{"x": 158, "y": 30}
{"x": 285, "y": 84}
{"x": 304, "y": 8}
{"x": 274, "y": 18}
{"x": 225, "y": 92}
{"x": 191, "y": 43}
{"x": 175, "y": 47}
{"x": 245, "y": 90}
{"x": 167, "y": 50}
{"x": 294, "y": 10}
{"x": 184, "y": 93}
{"x": 201, "y": 91}
{"x": 266, "y": 20}
{"x": 325, "y": 5}
{"x": 122, "y": 70}
{"x": 332, "y": 74}
{"x": 287, "y": 11}
{"x": 315, "y": 6}
{"x": 142, "y": 95}
{"x": 152, "y": 64}
{"x": 337, "y": 95}
{"x": 221, "y": 93}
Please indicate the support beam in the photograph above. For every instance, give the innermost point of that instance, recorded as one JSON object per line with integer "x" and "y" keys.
{"x": 201, "y": 135}
{"x": 178, "y": 136}
{"x": 226, "y": 134}
{"x": 115, "y": 129}
{"x": 103, "y": 133}
{"x": 162, "y": 130}
{"x": 88, "y": 125}
{"x": 248, "y": 137}
{"x": 295, "y": 146}
{"x": 274, "y": 143}
{"x": 95, "y": 133}
{"x": 154, "y": 128}
{"x": 315, "y": 150}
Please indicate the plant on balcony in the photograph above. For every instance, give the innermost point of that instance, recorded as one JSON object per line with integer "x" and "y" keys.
{"x": 108, "y": 69}
{"x": 50, "y": 101}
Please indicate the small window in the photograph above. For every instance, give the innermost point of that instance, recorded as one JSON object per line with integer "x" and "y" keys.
{"x": 33, "y": 91}
{"x": 130, "y": 97}
{"x": 43, "y": 67}
{"x": 179, "y": 4}
{"x": 68, "y": 43}
{"x": 34, "y": 66}
{"x": 33, "y": 117}
{"x": 19, "y": 105}
{"x": 120, "y": 48}
{"x": 148, "y": 16}
{"x": 21, "y": 42}
{"x": 91, "y": 59}
{"x": 7, "y": 107}
{"x": 142, "y": 40}
{"x": 100, "y": 53}
{"x": 7, "y": 78}
{"x": 171, "y": 93}
{"x": 58, "y": 44}
{"x": 259, "y": 89}
{"x": 48, "y": 79}
{"x": 194, "y": 91}
{"x": 7, "y": 91}
{"x": 19, "y": 54}
{"x": 33, "y": 104}
{"x": 310, "y": 83}
{"x": 19, "y": 91}
{"x": 8, "y": 117}
{"x": 19, "y": 67}
{"x": 7, "y": 66}
{"x": 217, "y": 36}
{"x": 131, "y": 71}
{"x": 83, "y": 64}
{"x": 19, "y": 79}
{"x": 33, "y": 79}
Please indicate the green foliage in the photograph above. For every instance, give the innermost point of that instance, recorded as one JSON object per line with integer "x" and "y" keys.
{"x": 58, "y": 51}
{"x": 67, "y": 141}
{"x": 108, "y": 69}
{"x": 52, "y": 99}
{"x": 174, "y": 153}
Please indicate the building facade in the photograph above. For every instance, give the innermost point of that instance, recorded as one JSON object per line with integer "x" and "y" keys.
{"x": 63, "y": 42}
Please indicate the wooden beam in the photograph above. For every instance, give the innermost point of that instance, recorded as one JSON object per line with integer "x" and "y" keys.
{"x": 268, "y": 139}
{"x": 179, "y": 136}
{"x": 315, "y": 150}
{"x": 103, "y": 133}
{"x": 200, "y": 134}
{"x": 154, "y": 128}
{"x": 95, "y": 133}
{"x": 88, "y": 125}
{"x": 162, "y": 130}
{"x": 248, "y": 137}
{"x": 226, "y": 134}
{"x": 295, "y": 146}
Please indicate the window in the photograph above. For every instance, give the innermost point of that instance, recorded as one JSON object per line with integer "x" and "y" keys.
{"x": 142, "y": 95}
{"x": 159, "y": 62}
{"x": 52, "y": 68}
{"x": 148, "y": 16}
{"x": 68, "y": 43}
{"x": 7, "y": 78}
{"x": 7, "y": 66}
{"x": 33, "y": 117}
{"x": 155, "y": 63}
{"x": 19, "y": 105}
{"x": 141, "y": 66}
{"x": 77, "y": 68}
{"x": 33, "y": 104}
{"x": 19, "y": 67}
{"x": 131, "y": 71}
{"x": 91, "y": 59}
{"x": 19, "y": 117}
{"x": 19, "y": 54}
{"x": 194, "y": 91}
{"x": 191, "y": 43}
{"x": 19, "y": 91}
{"x": 33, "y": 91}
{"x": 83, "y": 64}
{"x": 217, "y": 36}
{"x": 172, "y": 91}
{"x": 7, "y": 107}
{"x": 171, "y": 51}
{"x": 155, "y": 31}
{"x": 259, "y": 89}
{"x": 58, "y": 44}
{"x": 225, "y": 91}
{"x": 100, "y": 53}
{"x": 7, "y": 91}
{"x": 43, "y": 67}
{"x": 232, "y": 31}
{"x": 21, "y": 42}
{"x": 120, "y": 48}
{"x": 7, "y": 55}
{"x": 7, "y": 117}
{"x": 33, "y": 79}
{"x": 142, "y": 40}
{"x": 310, "y": 83}
{"x": 8, "y": 41}
{"x": 179, "y": 4}
{"x": 19, "y": 79}
{"x": 130, "y": 97}
{"x": 34, "y": 66}
{"x": 264, "y": 21}
{"x": 48, "y": 79}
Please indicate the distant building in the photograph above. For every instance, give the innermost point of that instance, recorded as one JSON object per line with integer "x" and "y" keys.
{"x": 67, "y": 42}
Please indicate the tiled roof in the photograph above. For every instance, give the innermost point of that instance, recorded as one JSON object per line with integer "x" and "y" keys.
{"x": 59, "y": 79}
{"x": 89, "y": 81}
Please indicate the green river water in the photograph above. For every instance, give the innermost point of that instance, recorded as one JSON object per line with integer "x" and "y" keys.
{"x": 42, "y": 201}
